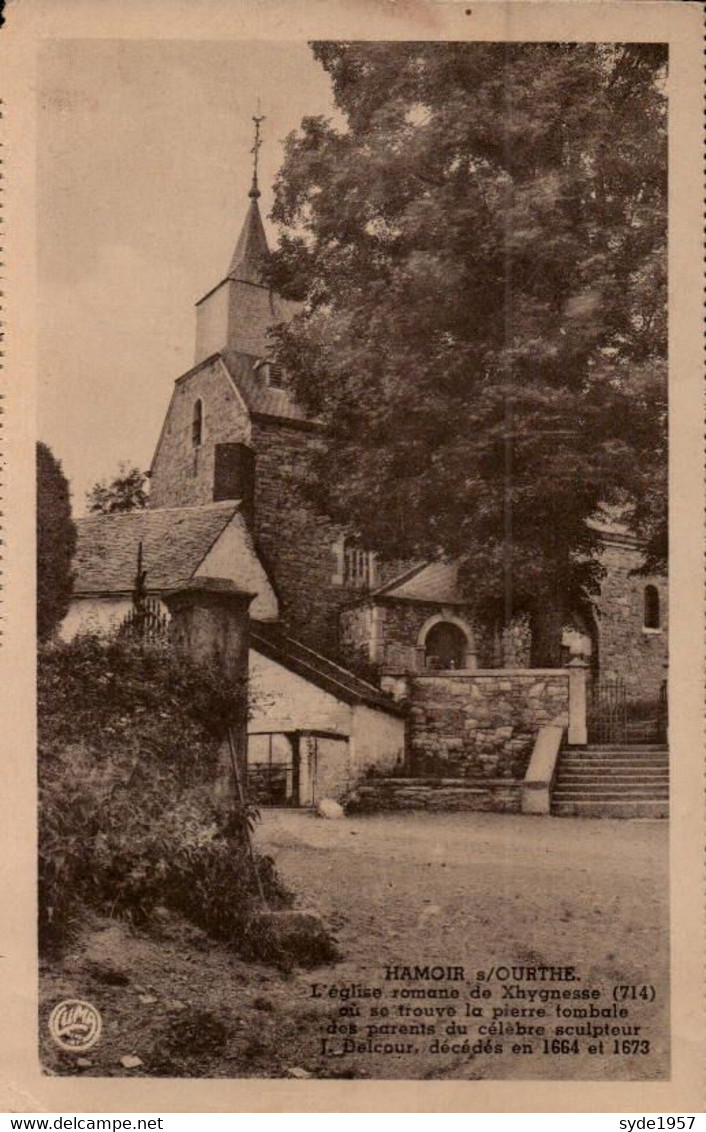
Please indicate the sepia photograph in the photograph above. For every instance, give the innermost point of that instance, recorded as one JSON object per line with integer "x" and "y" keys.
{"x": 352, "y": 549}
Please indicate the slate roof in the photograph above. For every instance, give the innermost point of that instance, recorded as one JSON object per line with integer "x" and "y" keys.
{"x": 431, "y": 581}
{"x": 438, "y": 581}
{"x": 259, "y": 397}
{"x": 318, "y": 669}
{"x": 251, "y": 249}
{"x": 175, "y": 540}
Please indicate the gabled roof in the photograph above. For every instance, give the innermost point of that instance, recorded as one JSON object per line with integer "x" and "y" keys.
{"x": 251, "y": 249}
{"x": 437, "y": 581}
{"x": 318, "y": 669}
{"x": 430, "y": 581}
{"x": 609, "y": 523}
{"x": 175, "y": 541}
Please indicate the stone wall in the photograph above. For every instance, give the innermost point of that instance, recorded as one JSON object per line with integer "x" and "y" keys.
{"x": 626, "y": 647}
{"x": 491, "y": 795}
{"x": 402, "y": 621}
{"x": 482, "y": 724}
{"x": 386, "y": 629}
{"x": 182, "y": 475}
{"x": 297, "y": 543}
{"x": 359, "y": 629}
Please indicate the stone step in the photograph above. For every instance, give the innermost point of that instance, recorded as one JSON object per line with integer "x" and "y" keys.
{"x": 610, "y": 760}
{"x": 657, "y": 788}
{"x": 575, "y": 778}
{"x": 650, "y": 765}
{"x": 616, "y": 780}
{"x": 616, "y": 756}
{"x": 618, "y": 749}
{"x": 616, "y": 760}
{"x": 610, "y": 780}
{"x": 589, "y": 794}
{"x": 628, "y": 748}
{"x": 611, "y": 809}
{"x": 615, "y": 771}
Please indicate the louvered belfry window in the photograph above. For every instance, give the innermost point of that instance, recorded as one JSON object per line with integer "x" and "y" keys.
{"x": 358, "y": 567}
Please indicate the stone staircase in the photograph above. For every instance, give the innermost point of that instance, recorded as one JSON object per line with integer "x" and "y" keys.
{"x": 612, "y": 781}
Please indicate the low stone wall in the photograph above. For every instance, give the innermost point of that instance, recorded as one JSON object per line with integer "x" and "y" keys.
{"x": 482, "y": 723}
{"x": 490, "y": 795}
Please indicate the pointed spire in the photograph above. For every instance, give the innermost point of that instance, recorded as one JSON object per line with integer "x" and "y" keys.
{"x": 251, "y": 247}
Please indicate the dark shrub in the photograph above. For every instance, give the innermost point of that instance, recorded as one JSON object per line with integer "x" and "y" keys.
{"x": 56, "y": 543}
{"x": 128, "y": 757}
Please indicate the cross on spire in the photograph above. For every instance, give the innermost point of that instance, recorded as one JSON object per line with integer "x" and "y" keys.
{"x": 257, "y": 119}
{"x": 251, "y": 249}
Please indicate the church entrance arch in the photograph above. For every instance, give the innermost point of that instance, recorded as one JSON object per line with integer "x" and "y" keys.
{"x": 447, "y": 642}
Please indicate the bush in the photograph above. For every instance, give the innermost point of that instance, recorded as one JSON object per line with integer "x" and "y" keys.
{"x": 213, "y": 884}
{"x": 128, "y": 757}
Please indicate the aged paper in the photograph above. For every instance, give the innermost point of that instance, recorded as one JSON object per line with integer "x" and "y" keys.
{"x": 509, "y": 915}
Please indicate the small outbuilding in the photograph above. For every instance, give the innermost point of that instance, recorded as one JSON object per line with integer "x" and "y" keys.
{"x": 315, "y": 728}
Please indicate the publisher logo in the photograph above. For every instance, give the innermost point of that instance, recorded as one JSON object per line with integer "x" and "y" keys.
{"x": 75, "y": 1025}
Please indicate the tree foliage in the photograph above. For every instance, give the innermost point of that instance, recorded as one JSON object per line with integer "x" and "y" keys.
{"x": 480, "y": 248}
{"x": 56, "y": 543}
{"x": 127, "y": 492}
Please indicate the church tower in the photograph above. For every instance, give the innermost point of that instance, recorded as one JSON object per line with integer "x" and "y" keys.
{"x": 235, "y": 431}
{"x": 236, "y": 314}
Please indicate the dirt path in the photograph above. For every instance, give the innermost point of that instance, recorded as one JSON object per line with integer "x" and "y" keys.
{"x": 477, "y": 890}
{"x": 467, "y": 890}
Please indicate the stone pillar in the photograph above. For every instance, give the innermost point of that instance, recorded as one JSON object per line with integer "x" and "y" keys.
{"x": 578, "y": 672}
{"x": 395, "y": 684}
{"x": 210, "y": 623}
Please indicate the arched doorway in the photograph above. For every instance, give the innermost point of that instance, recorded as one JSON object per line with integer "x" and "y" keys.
{"x": 445, "y": 646}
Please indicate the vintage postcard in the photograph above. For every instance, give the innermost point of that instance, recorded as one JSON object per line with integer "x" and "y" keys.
{"x": 353, "y": 607}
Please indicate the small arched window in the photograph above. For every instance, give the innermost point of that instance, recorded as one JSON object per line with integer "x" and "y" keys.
{"x": 197, "y": 424}
{"x": 651, "y": 618}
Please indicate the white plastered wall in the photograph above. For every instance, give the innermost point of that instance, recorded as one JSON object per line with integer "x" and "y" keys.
{"x": 233, "y": 556}
{"x": 94, "y": 615}
{"x": 284, "y": 701}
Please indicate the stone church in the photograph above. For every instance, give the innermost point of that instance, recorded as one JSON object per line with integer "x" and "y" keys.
{"x": 225, "y": 475}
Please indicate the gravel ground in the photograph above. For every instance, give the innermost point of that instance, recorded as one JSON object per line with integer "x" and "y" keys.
{"x": 461, "y": 890}
{"x": 477, "y": 890}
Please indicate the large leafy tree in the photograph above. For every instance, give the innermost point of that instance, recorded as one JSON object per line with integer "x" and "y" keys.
{"x": 56, "y": 543}
{"x": 479, "y": 246}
